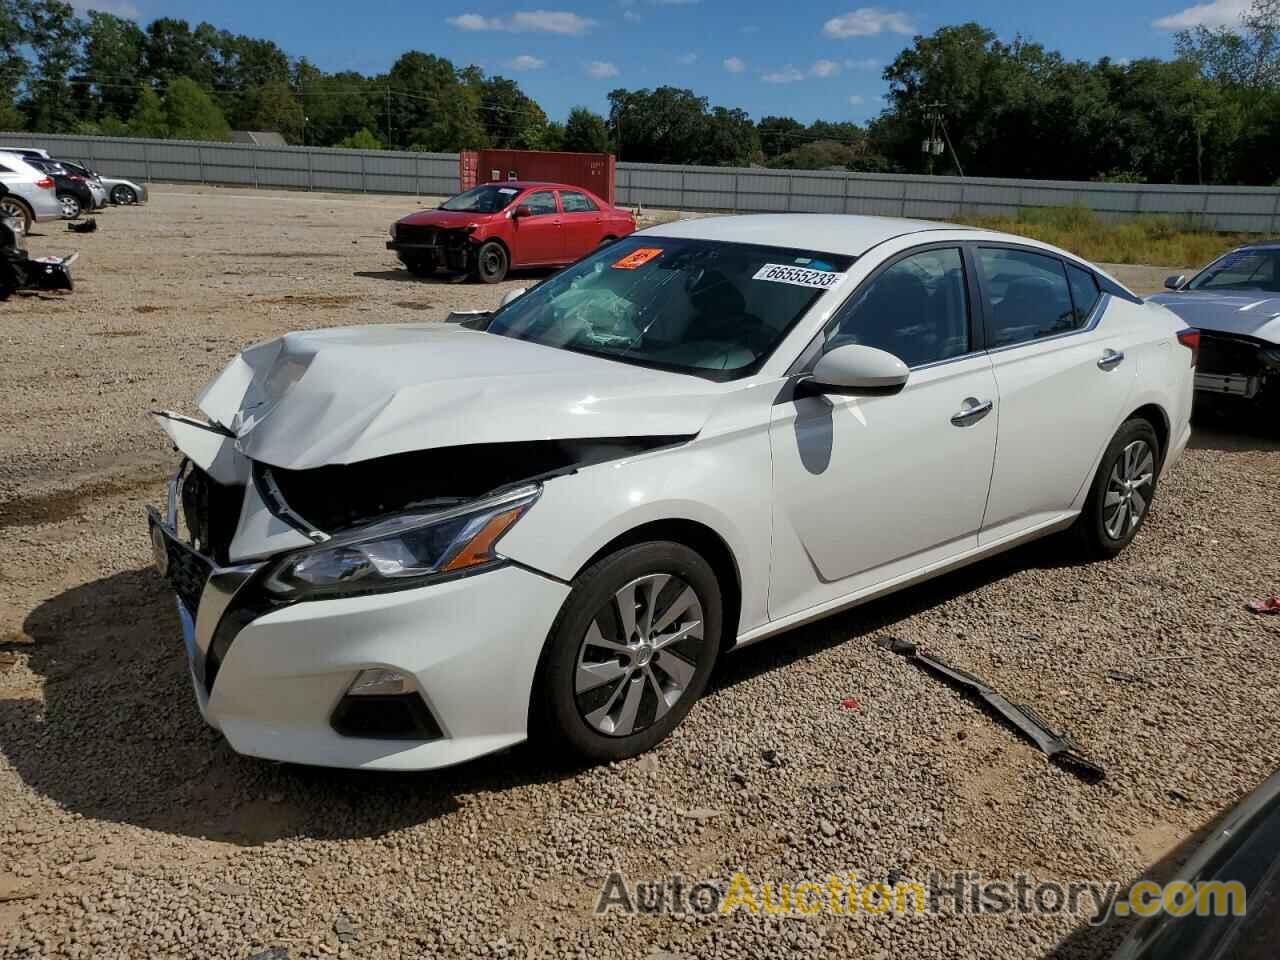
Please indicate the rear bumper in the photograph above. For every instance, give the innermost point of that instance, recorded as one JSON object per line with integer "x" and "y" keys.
{"x": 44, "y": 203}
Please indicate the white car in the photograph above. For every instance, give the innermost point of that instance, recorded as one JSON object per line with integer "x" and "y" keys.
{"x": 405, "y": 546}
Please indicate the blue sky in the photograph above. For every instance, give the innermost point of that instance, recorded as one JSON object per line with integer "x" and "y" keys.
{"x": 815, "y": 60}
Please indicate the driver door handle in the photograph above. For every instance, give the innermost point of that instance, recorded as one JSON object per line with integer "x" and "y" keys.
{"x": 1111, "y": 359}
{"x": 971, "y": 411}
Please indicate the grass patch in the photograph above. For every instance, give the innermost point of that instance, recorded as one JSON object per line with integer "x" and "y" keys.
{"x": 1157, "y": 239}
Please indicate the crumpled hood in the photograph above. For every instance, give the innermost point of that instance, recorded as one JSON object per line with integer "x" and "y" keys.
{"x": 355, "y": 393}
{"x": 1249, "y": 314}
{"x": 444, "y": 219}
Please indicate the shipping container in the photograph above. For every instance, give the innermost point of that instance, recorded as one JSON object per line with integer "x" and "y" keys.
{"x": 595, "y": 171}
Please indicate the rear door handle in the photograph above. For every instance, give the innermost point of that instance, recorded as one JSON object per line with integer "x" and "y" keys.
{"x": 971, "y": 412}
{"x": 1110, "y": 359}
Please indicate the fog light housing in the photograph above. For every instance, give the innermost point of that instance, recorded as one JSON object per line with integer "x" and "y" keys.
{"x": 384, "y": 704}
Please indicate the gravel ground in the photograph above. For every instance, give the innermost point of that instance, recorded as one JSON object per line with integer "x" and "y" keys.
{"x": 128, "y": 829}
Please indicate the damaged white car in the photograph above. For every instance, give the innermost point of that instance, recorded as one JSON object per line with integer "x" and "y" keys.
{"x": 406, "y": 546}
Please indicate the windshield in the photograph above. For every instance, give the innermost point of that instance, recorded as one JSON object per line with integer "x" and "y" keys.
{"x": 487, "y": 199}
{"x": 703, "y": 307}
{"x": 1256, "y": 269}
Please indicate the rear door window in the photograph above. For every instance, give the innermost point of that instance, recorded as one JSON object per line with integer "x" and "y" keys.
{"x": 1084, "y": 292}
{"x": 1029, "y": 295}
{"x": 574, "y": 202}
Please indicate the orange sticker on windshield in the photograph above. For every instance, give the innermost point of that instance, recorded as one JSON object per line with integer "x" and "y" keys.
{"x": 638, "y": 258}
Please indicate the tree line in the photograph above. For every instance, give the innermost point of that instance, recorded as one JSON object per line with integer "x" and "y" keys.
{"x": 1211, "y": 114}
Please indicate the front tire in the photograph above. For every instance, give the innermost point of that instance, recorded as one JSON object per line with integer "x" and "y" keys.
{"x": 492, "y": 262}
{"x": 1122, "y": 491}
{"x": 123, "y": 196}
{"x": 629, "y": 653}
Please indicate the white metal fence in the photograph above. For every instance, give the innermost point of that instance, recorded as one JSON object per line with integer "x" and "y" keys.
{"x": 737, "y": 189}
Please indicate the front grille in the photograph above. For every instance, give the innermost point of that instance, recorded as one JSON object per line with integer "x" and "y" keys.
{"x": 211, "y": 511}
{"x": 1228, "y": 355}
{"x": 416, "y": 233}
{"x": 188, "y": 572}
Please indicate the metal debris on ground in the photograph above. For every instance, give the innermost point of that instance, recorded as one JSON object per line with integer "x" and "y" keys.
{"x": 1269, "y": 604}
{"x": 1121, "y": 677}
{"x": 1056, "y": 744}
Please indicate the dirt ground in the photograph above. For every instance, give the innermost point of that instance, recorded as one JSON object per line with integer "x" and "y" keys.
{"x": 129, "y": 829}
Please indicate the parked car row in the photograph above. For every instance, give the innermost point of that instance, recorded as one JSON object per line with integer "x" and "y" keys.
{"x": 43, "y": 188}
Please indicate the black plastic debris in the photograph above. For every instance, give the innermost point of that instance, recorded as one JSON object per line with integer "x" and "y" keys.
{"x": 87, "y": 226}
{"x": 1057, "y": 744}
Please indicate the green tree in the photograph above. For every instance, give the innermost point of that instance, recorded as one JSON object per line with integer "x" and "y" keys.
{"x": 13, "y": 65}
{"x": 148, "y": 119}
{"x": 52, "y": 31}
{"x": 113, "y": 61}
{"x": 586, "y": 132}
{"x": 778, "y": 135}
{"x": 270, "y": 106}
{"x": 191, "y": 114}
{"x": 362, "y": 139}
{"x": 1245, "y": 55}
{"x": 431, "y": 105}
{"x": 510, "y": 119}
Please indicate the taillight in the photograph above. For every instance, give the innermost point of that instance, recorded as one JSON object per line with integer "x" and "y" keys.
{"x": 45, "y": 184}
{"x": 1190, "y": 338}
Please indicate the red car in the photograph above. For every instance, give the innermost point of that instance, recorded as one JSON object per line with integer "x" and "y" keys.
{"x": 496, "y": 227}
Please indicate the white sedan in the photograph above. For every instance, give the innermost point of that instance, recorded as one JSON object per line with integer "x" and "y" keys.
{"x": 405, "y": 546}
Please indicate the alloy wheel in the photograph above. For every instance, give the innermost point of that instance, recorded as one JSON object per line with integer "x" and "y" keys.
{"x": 639, "y": 655}
{"x": 70, "y": 206}
{"x": 1129, "y": 489}
{"x": 123, "y": 195}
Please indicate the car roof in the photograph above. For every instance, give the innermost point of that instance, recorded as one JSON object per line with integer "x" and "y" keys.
{"x": 526, "y": 184}
{"x": 850, "y": 234}
{"x": 21, "y": 165}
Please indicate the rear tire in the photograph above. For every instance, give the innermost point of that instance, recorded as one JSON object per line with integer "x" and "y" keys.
{"x": 1122, "y": 491}
{"x": 492, "y": 263}
{"x": 614, "y": 683}
{"x": 70, "y": 206}
{"x": 20, "y": 210}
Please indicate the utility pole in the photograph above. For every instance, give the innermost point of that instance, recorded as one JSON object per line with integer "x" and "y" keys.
{"x": 933, "y": 145}
{"x": 388, "y": 89}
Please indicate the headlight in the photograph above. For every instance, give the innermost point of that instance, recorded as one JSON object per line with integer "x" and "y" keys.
{"x": 404, "y": 551}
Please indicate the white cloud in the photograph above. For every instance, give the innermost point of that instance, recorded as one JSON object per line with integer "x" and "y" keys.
{"x": 857, "y": 101}
{"x": 824, "y": 68}
{"x": 734, "y": 64}
{"x": 1123, "y": 62}
{"x": 601, "y": 69}
{"x": 630, "y": 16}
{"x": 121, "y": 8}
{"x": 869, "y": 22}
{"x": 528, "y": 21}
{"x": 526, "y": 62}
{"x": 687, "y": 58}
{"x": 785, "y": 75}
{"x": 867, "y": 63}
{"x": 1218, "y": 13}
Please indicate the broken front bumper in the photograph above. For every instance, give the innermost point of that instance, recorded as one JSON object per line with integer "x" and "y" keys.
{"x": 275, "y": 677}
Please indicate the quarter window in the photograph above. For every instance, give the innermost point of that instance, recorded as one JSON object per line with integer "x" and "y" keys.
{"x": 576, "y": 202}
{"x": 917, "y": 309}
{"x": 1029, "y": 296}
{"x": 1084, "y": 292}
{"x": 544, "y": 201}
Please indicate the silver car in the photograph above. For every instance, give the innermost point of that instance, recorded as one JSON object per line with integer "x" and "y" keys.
{"x": 1235, "y": 304}
{"x": 119, "y": 191}
{"x": 31, "y": 197}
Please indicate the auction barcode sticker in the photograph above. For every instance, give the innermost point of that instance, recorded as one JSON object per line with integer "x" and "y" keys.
{"x": 800, "y": 276}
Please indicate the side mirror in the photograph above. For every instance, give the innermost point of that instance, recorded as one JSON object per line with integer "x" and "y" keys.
{"x": 1173, "y": 283}
{"x": 857, "y": 369}
{"x": 524, "y": 210}
{"x": 511, "y": 295}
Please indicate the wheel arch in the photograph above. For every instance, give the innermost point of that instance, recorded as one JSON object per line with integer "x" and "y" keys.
{"x": 1155, "y": 415}
{"x": 26, "y": 207}
{"x": 703, "y": 540}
